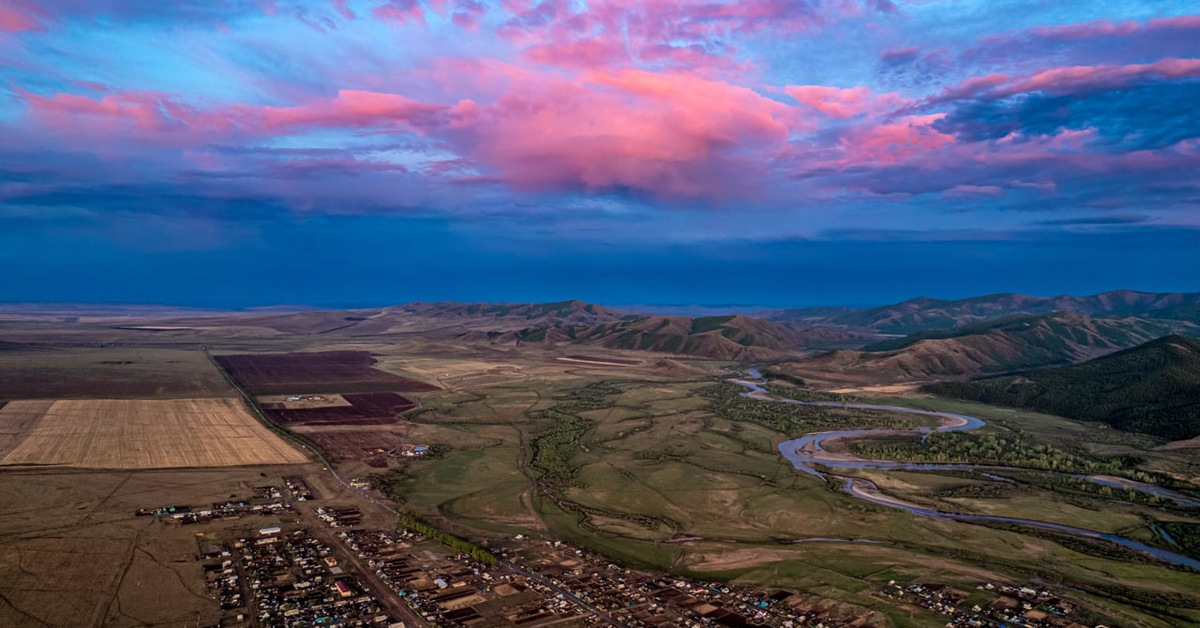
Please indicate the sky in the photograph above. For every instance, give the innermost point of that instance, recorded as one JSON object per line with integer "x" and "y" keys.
{"x": 240, "y": 153}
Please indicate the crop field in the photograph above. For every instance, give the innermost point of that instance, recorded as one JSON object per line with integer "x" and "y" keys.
{"x": 354, "y": 444}
{"x": 138, "y": 434}
{"x": 110, "y": 373}
{"x": 360, "y": 409}
{"x": 315, "y": 372}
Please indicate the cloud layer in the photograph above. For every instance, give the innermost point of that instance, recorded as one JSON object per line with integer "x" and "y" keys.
{"x": 699, "y": 120}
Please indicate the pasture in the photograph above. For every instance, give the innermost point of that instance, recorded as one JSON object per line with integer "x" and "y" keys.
{"x": 678, "y": 475}
{"x": 138, "y": 434}
{"x": 73, "y": 555}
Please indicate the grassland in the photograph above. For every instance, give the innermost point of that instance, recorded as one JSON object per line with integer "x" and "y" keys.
{"x": 679, "y": 475}
{"x": 664, "y": 469}
{"x": 73, "y": 555}
{"x": 141, "y": 434}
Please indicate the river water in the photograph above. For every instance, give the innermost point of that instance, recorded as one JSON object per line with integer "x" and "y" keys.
{"x": 807, "y": 451}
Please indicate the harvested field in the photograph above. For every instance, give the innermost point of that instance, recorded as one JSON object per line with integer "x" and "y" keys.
{"x": 111, "y": 372}
{"x": 352, "y": 444}
{"x": 315, "y": 372}
{"x": 139, "y": 434}
{"x": 17, "y": 420}
{"x": 360, "y": 409}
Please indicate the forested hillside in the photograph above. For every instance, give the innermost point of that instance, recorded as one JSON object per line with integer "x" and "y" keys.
{"x": 1153, "y": 389}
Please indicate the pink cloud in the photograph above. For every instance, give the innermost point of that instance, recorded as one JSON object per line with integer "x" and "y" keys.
{"x": 467, "y": 14}
{"x": 1070, "y": 79}
{"x": 893, "y": 142}
{"x": 668, "y": 135}
{"x": 351, "y": 108}
{"x": 1101, "y": 29}
{"x": 400, "y": 12}
{"x": 19, "y": 15}
{"x": 111, "y": 114}
{"x": 841, "y": 104}
{"x": 591, "y": 52}
{"x": 686, "y": 34}
{"x": 343, "y": 7}
{"x": 1080, "y": 78}
{"x": 159, "y": 117}
{"x": 965, "y": 190}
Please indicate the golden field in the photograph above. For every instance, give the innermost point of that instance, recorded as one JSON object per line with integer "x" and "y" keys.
{"x": 139, "y": 434}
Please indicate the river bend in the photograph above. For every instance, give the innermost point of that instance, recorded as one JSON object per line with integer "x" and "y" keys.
{"x": 807, "y": 453}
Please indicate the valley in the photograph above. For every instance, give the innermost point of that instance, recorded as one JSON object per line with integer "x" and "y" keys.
{"x": 671, "y": 463}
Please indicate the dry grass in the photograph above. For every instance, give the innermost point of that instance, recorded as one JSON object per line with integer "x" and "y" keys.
{"x": 142, "y": 434}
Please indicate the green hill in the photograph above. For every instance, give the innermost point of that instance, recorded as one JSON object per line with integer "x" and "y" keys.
{"x": 924, "y": 313}
{"x": 1007, "y": 345}
{"x": 1056, "y": 330}
{"x": 1153, "y": 389}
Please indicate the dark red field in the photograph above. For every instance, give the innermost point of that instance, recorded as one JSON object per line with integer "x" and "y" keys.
{"x": 316, "y": 372}
{"x": 364, "y": 409}
{"x": 356, "y": 444}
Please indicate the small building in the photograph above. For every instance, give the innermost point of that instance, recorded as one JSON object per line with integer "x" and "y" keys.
{"x": 271, "y": 531}
{"x": 342, "y": 589}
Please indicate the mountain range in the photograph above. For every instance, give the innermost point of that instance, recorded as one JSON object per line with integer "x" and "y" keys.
{"x": 924, "y": 313}
{"x": 914, "y": 341}
{"x": 1010, "y": 343}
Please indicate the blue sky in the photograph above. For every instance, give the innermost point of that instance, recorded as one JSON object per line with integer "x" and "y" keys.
{"x": 768, "y": 152}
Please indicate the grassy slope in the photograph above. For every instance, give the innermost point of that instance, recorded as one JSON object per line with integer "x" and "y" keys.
{"x": 1152, "y": 389}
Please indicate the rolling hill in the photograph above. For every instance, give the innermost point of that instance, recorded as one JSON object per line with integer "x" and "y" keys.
{"x": 923, "y": 313}
{"x": 1008, "y": 344}
{"x": 732, "y": 337}
{"x": 421, "y": 317}
{"x": 1153, "y": 389}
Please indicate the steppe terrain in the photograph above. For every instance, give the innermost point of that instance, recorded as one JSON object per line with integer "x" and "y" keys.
{"x": 650, "y": 458}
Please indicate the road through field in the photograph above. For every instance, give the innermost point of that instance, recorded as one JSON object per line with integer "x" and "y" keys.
{"x": 581, "y": 604}
{"x": 806, "y": 453}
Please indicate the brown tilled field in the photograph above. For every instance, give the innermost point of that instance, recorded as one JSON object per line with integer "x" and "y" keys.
{"x": 354, "y": 444}
{"x": 138, "y": 434}
{"x": 360, "y": 409}
{"x": 108, "y": 373}
{"x": 315, "y": 372}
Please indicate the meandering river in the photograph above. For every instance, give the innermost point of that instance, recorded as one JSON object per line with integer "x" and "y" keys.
{"x": 807, "y": 453}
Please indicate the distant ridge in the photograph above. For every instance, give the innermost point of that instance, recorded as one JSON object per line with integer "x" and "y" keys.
{"x": 1007, "y": 344}
{"x": 730, "y": 337}
{"x": 924, "y": 313}
{"x": 961, "y": 338}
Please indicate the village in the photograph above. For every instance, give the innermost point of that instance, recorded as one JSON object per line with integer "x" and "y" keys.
{"x": 321, "y": 565}
{"x": 1010, "y": 605}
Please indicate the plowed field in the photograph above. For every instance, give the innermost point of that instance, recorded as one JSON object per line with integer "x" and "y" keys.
{"x": 315, "y": 372}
